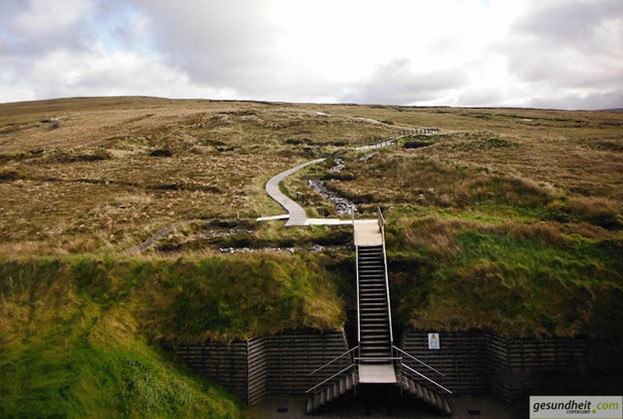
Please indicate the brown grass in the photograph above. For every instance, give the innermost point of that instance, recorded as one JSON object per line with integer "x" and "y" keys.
{"x": 116, "y": 170}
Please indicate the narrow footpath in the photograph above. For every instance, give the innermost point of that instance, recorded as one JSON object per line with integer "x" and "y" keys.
{"x": 296, "y": 214}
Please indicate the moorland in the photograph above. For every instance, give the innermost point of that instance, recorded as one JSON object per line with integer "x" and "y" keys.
{"x": 130, "y": 220}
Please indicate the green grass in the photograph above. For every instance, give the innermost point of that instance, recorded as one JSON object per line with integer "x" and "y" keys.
{"x": 79, "y": 335}
{"x": 516, "y": 284}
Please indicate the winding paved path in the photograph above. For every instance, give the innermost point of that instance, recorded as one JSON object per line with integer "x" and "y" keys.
{"x": 298, "y": 216}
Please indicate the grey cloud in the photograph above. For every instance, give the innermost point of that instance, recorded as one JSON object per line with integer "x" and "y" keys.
{"x": 27, "y": 38}
{"x": 567, "y": 45}
{"x": 593, "y": 101}
{"x": 396, "y": 83}
{"x": 567, "y": 23}
{"x": 481, "y": 96}
{"x": 560, "y": 43}
{"x": 216, "y": 42}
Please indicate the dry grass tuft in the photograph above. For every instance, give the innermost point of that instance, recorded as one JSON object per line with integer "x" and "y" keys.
{"x": 602, "y": 212}
{"x": 434, "y": 235}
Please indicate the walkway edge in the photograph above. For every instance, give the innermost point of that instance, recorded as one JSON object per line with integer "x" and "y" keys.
{"x": 298, "y": 216}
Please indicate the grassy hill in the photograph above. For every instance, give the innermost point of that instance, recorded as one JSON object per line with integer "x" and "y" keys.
{"x": 510, "y": 219}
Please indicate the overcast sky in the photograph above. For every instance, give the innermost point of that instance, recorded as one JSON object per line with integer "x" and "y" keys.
{"x": 544, "y": 53}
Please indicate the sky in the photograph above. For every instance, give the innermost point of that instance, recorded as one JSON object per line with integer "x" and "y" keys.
{"x": 564, "y": 54}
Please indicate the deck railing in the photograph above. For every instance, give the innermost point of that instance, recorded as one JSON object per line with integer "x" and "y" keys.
{"x": 382, "y": 224}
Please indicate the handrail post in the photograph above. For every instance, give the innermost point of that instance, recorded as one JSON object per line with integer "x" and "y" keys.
{"x": 357, "y": 271}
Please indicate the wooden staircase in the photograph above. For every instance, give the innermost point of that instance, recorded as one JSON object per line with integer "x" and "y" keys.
{"x": 376, "y": 360}
{"x": 333, "y": 389}
{"x": 419, "y": 391}
{"x": 375, "y": 340}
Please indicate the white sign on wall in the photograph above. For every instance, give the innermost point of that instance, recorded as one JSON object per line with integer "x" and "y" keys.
{"x": 433, "y": 341}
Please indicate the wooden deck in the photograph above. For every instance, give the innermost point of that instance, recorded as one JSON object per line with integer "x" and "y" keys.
{"x": 367, "y": 233}
{"x": 377, "y": 374}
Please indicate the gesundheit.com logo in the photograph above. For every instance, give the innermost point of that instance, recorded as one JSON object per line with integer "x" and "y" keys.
{"x": 577, "y": 407}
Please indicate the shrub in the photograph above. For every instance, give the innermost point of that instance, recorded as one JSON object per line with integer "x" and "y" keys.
{"x": 417, "y": 144}
{"x": 8, "y": 175}
{"x": 161, "y": 152}
{"x": 601, "y": 212}
{"x": 558, "y": 210}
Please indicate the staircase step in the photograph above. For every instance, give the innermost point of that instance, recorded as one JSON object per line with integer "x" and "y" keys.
{"x": 375, "y": 352}
{"x": 376, "y": 332}
{"x": 370, "y": 301}
{"x": 427, "y": 395}
{"x": 404, "y": 384}
{"x": 368, "y": 337}
{"x": 380, "y": 341}
{"x": 374, "y": 322}
{"x": 436, "y": 400}
{"x": 329, "y": 390}
{"x": 413, "y": 389}
{"x": 421, "y": 393}
{"x": 375, "y": 346}
{"x": 373, "y": 296}
{"x": 349, "y": 382}
{"x": 369, "y": 325}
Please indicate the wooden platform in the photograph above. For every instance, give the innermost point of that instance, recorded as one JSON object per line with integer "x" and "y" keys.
{"x": 367, "y": 233}
{"x": 377, "y": 374}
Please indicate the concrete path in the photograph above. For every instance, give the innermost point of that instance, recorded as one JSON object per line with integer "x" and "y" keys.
{"x": 297, "y": 213}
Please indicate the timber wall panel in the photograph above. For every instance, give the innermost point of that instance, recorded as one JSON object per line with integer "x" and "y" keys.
{"x": 480, "y": 361}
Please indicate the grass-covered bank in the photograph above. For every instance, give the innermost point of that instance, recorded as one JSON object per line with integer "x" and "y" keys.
{"x": 78, "y": 335}
{"x": 516, "y": 279}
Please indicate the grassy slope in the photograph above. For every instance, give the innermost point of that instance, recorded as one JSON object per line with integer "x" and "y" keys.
{"x": 75, "y": 332}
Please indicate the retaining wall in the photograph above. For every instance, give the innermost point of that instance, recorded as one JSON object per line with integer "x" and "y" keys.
{"x": 484, "y": 362}
{"x": 277, "y": 364}
{"x": 473, "y": 362}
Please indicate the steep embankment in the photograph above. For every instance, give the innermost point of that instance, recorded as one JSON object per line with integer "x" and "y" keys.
{"x": 78, "y": 336}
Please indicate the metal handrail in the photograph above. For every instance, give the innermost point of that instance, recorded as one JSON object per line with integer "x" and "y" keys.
{"x": 382, "y": 221}
{"x": 358, "y": 304}
{"x": 357, "y": 270}
{"x": 330, "y": 378}
{"x": 409, "y": 369}
{"x": 417, "y": 360}
{"x": 389, "y": 305}
{"x": 332, "y": 361}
